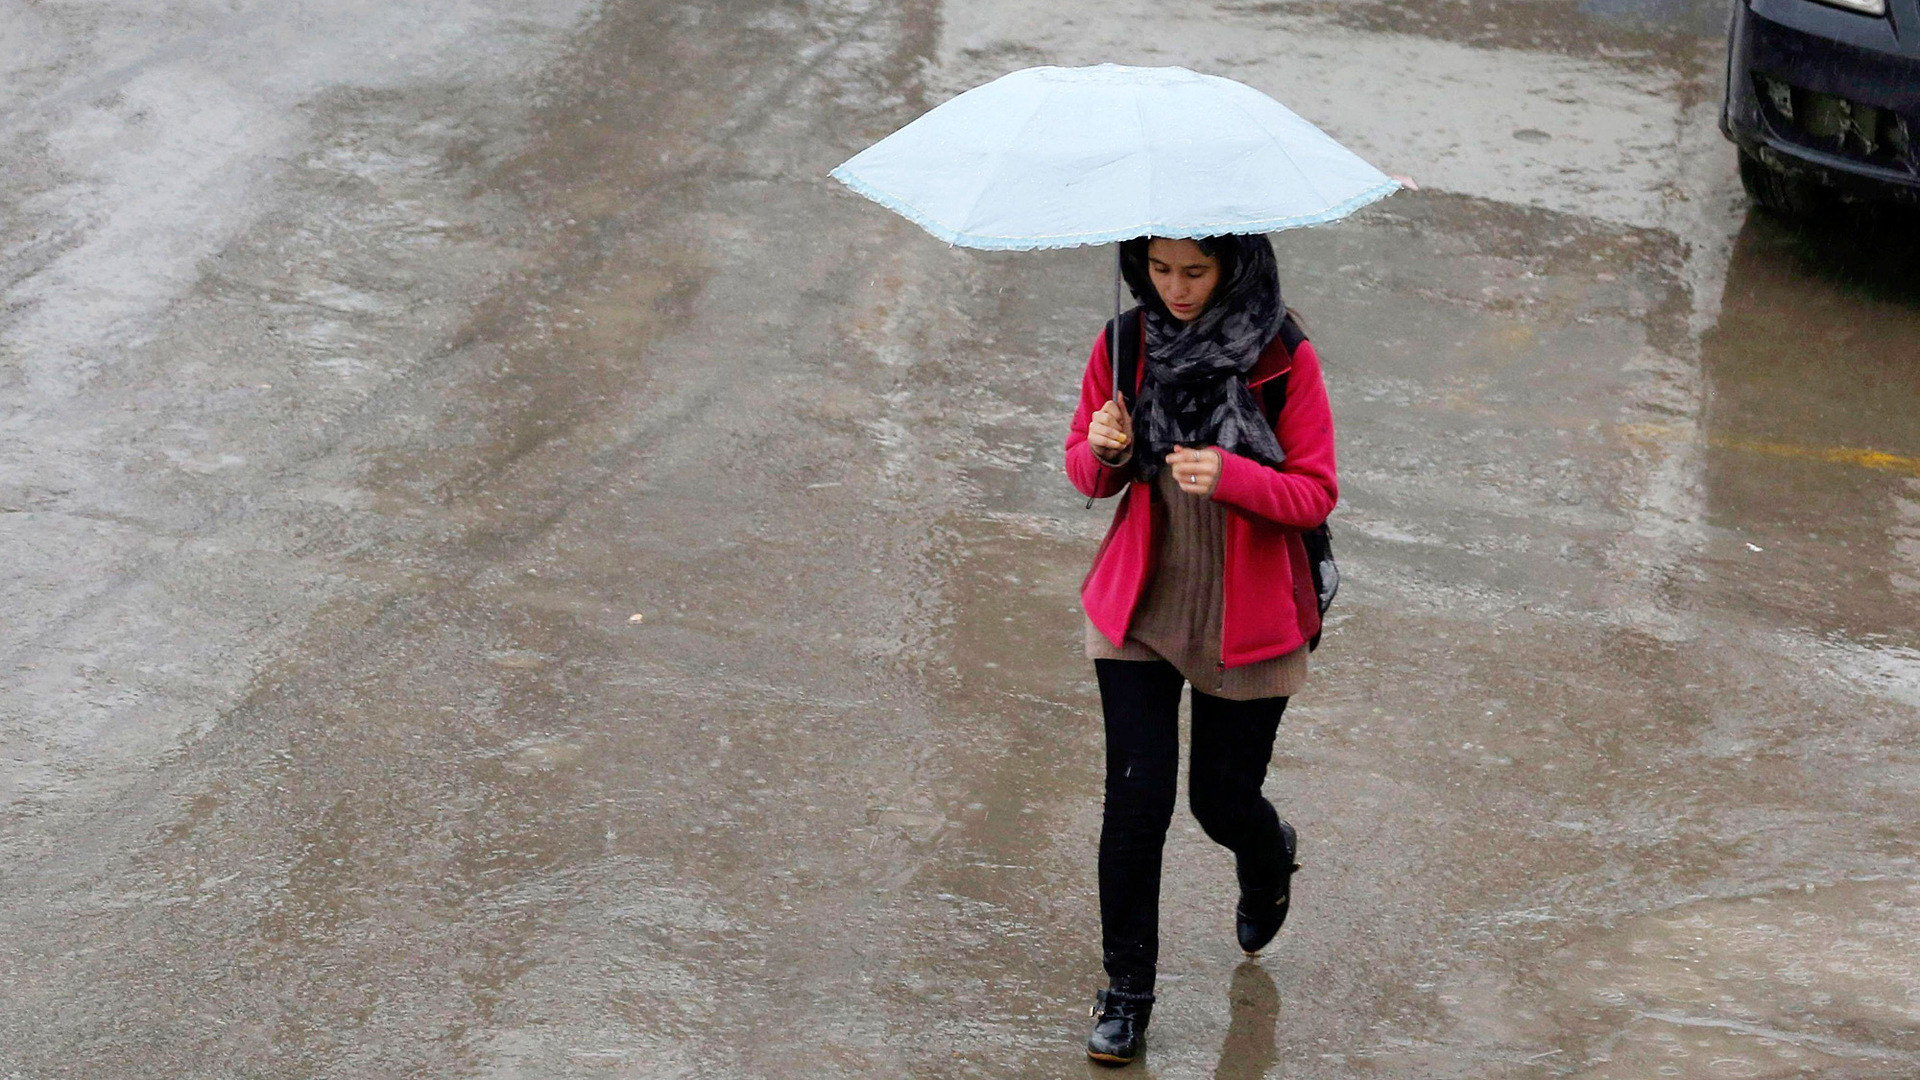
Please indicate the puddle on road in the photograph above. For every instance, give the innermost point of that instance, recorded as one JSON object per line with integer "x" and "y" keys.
{"x": 1816, "y": 981}
{"x": 1633, "y": 33}
{"x": 1621, "y": 119}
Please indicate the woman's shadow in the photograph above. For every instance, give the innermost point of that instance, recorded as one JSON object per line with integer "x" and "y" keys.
{"x": 1249, "y": 1050}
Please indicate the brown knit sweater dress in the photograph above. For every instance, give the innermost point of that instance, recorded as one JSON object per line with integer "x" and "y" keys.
{"x": 1178, "y": 619}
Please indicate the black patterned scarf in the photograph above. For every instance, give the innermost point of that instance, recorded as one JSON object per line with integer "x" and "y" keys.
{"x": 1195, "y": 391}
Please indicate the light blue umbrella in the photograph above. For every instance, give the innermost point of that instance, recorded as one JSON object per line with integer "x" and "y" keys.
{"x": 1059, "y": 157}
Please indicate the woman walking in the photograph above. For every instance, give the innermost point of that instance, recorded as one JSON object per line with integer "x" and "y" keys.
{"x": 1202, "y": 580}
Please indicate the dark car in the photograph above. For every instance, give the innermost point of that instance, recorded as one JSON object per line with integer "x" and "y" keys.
{"x": 1823, "y": 100}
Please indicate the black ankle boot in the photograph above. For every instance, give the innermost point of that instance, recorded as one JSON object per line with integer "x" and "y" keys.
{"x": 1263, "y": 911}
{"x": 1119, "y": 1026}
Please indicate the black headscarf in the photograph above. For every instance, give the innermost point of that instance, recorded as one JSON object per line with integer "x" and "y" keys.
{"x": 1195, "y": 389}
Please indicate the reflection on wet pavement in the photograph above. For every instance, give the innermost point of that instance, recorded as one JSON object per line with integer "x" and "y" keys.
{"x": 1814, "y": 451}
{"x": 1250, "y": 1048}
{"x": 332, "y": 746}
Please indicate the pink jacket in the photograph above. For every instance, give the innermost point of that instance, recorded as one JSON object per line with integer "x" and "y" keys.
{"x": 1268, "y": 603}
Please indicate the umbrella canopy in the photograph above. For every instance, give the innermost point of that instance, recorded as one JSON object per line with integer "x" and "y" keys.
{"x": 1059, "y": 157}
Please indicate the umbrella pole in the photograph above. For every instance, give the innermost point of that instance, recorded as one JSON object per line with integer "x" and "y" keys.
{"x": 1113, "y": 339}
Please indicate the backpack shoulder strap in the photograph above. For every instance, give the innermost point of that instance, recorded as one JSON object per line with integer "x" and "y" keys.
{"x": 1273, "y": 392}
{"x": 1291, "y": 335}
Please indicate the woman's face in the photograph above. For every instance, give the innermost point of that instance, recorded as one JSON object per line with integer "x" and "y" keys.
{"x": 1184, "y": 276}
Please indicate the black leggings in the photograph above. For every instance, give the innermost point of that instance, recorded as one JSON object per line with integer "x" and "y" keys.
{"x": 1232, "y": 743}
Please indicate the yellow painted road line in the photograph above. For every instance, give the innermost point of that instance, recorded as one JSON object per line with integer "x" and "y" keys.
{"x": 1836, "y": 455}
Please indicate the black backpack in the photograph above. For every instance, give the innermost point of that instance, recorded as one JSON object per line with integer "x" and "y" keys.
{"x": 1273, "y": 395}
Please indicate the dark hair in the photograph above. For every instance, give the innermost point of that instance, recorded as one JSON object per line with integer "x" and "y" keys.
{"x": 1133, "y": 267}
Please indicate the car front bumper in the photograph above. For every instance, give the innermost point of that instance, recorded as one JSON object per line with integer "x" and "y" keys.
{"x": 1827, "y": 93}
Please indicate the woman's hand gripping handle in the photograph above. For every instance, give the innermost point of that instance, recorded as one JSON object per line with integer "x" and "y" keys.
{"x": 1110, "y": 432}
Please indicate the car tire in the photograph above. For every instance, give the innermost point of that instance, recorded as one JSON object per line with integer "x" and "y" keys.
{"x": 1784, "y": 194}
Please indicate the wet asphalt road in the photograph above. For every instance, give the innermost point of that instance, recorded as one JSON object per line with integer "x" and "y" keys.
{"x": 511, "y": 573}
